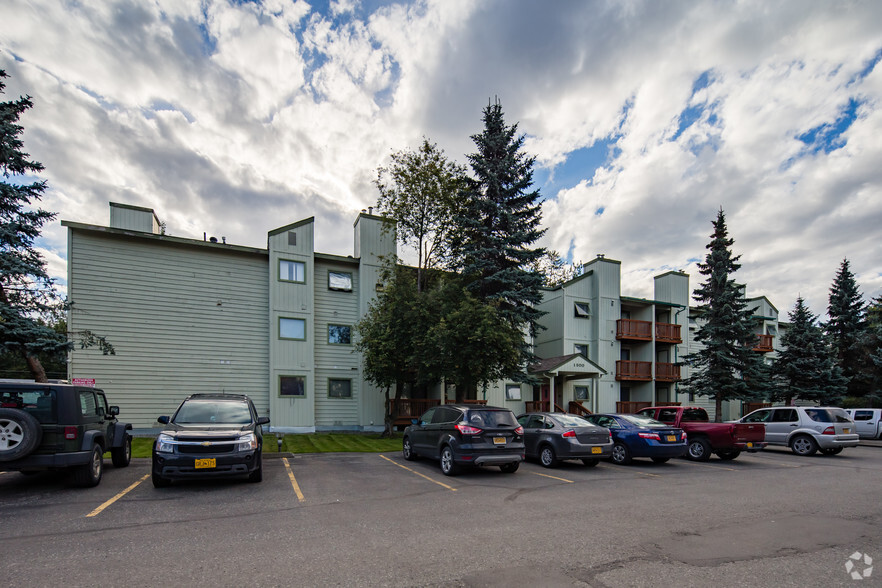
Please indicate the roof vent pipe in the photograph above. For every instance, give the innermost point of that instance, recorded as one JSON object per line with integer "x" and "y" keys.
{"x": 213, "y": 239}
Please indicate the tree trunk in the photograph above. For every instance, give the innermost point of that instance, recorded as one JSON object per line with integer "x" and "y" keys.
{"x": 718, "y": 417}
{"x": 387, "y": 431}
{"x": 36, "y": 368}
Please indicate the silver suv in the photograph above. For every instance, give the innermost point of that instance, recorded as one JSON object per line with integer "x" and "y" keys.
{"x": 806, "y": 429}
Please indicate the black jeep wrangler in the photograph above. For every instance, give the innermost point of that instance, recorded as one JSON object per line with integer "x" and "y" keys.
{"x": 60, "y": 427}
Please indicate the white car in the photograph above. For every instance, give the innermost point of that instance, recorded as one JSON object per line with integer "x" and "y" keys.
{"x": 806, "y": 429}
{"x": 867, "y": 421}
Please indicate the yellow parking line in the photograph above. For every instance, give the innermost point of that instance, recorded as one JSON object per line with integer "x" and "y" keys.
{"x": 98, "y": 510}
{"x": 553, "y": 477}
{"x": 419, "y": 474}
{"x": 294, "y": 484}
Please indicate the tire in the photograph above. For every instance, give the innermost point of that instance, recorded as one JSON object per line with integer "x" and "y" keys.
{"x": 832, "y": 451}
{"x": 728, "y": 454}
{"x": 590, "y": 463}
{"x": 661, "y": 459}
{"x": 510, "y": 468}
{"x": 20, "y": 434}
{"x": 407, "y": 450}
{"x": 448, "y": 466}
{"x": 122, "y": 456}
{"x": 89, "y": 475}
{"x": 159, "y": 481}
{"x": 547, "y": 457}
{"x": 257, "y": 475}
{"x": 803, "y": 445}
{"x": 620, "y": 454}
{"x": 699, "y": 449}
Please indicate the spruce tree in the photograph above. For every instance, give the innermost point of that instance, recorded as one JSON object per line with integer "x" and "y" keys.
{"x": 726, "y": 367}
{"x": 28, "y": 303}
{"x": 846, "y": 328}
{"x": 805, "y": 368}
{"x": 500, "y": 224}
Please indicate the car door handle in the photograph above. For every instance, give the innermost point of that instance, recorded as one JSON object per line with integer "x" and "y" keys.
{"x": 794, "y": 425}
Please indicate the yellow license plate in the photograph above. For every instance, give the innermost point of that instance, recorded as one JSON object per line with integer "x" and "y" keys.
{"x": 498, "y": 440}
{"x": 672, "y": 438}
{"x": 596, "y": 450}
{"x": 206, "y": 463}
{"x": 846, "y": 431}
{"x": 749, "y": 445}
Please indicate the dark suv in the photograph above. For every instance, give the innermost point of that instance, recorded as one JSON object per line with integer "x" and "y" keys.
{"x": 466, "y": 435}
{"x": 210, "y": 436}
{"x": 60, "y": 427}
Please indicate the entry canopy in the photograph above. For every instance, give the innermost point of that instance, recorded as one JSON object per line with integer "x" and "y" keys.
{"x": 574, "y": 366}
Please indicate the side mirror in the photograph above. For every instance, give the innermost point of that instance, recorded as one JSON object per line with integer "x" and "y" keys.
{"x": 162, "y": 419}
{"x": 113, "y": 411}
{"x": 414, "y": 421}
{"x": 263, "y": 421}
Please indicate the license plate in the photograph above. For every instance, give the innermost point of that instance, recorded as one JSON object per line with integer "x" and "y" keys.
{"x": 206, "y": 463}
{"x": 672, "y": 438}
{"x": 498, "y": 440}
{"x": 846, "y": 431}
{"x": 596, "y": 450}
{"x": 749, "y": 445}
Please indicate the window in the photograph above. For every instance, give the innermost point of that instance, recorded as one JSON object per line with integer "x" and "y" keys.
{"x": 580, "y": 392}
{"x": 771, "y": 330}
{"x": 339, "y": 334}
{"x": 582, "y": 349}
{"x": 292, "y": 239}
{"x": 760, "y": 416}
{"x": 863, "y": 415}
{"x": 582, "y": 309}
{"x": 512, "y": 391}
{"x": 785, "y": 415}
{"x": 87, "y": 404}
{"x": 340, "y": 281}
{"x": 340, "y": 388}
{"x": 291, "y": 328}
{"x": 292, "y": 271}
{"x": 292, "y": 386}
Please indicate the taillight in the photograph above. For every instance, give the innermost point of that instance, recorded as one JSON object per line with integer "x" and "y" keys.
{"x": 829, "y": 431}
{"x": 70, "y": 432}
{"x": 468, "y": 429}
{"x": 571, "y": 434}
{"x": 654, "y": 436}
{"x": 519, "y": 431}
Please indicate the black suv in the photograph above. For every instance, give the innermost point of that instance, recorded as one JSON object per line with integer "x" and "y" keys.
{"x": 210, "y": 436}
{"x": 58, "y": 427}
{"x": 466, "y": 435}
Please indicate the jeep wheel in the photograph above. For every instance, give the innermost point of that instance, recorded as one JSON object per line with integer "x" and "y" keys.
{"x": 20, "y": 434}
{"x": 121, "y": 456}
{"x": 89, "y": 475}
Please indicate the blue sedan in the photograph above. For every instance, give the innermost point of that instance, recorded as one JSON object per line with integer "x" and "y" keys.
{"x": 640, "y": 436}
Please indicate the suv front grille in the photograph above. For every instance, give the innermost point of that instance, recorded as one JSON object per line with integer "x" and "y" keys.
{"x": 207, "y": 447}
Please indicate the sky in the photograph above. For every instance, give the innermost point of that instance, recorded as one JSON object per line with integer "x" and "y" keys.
{"x": 233, "y": 118}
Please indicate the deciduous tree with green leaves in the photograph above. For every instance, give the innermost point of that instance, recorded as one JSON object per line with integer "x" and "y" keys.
{"x": 805, "y": 368}
{"x": 726, "y": 367}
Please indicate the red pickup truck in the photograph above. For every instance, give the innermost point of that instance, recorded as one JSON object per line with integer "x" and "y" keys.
{"x": 727, "y": 440}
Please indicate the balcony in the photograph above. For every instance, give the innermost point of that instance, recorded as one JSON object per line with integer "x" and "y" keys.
{"x": 634, "y": 371}
{"x": 763, "y": 344}
{"x": 667, "y": 333}
{"x": 632, "y": 330}
{"x": 667, "y": 372}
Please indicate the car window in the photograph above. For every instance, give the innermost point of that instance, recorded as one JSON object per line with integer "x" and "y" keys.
{"x": 570, "y": 420}
{"x": 668, "y": 415}
{"x": 694, "y": 415}
{"x": 40, "y": 404}
{"x": 642, "y": 421}
{"x": 759, "y": 416}
{"x": 863, "y": 415}
{"x": 87, "y": 403}
{"x": 784, "y": 415}
{"x": 494, "y": 418}
{"x": 102, "y": 403}
{"x": 427, "y": 416}
{"x": 535, "y": 422}
{"x": 827, "y": 415}
{"x": 523, "y": 419}
{"x": 212, "y": 412}
{"x": 446, "y": 415}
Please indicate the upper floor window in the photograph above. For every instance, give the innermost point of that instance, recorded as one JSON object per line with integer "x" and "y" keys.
{"x": 582, "y": 349}
{"x": 340, "y": 334}
{"x": 341, "y": 281}
{"x": 582, "y": 309}
{"x": 292, "y": 271}
{"x": 291, "y": 328}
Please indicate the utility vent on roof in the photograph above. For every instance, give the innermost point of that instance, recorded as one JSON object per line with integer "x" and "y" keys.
{"x": 292, "y": 238}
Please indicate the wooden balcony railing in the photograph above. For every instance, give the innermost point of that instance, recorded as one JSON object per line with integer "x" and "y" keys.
{"x": 667, "y": 333}
{"x": 640, "y": 371}
{"x": 406, "y": 409}
{"x": 634, "y": 330}
{"x": 540, "y": 406}
{"x": 763, "y": 344}
{"x": 667, "y": 372}
{"x": 576, "y": 407}
{"x": 629, "y": 407}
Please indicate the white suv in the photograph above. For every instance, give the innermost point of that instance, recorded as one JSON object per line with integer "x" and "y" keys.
{"x": 806, "y": 429}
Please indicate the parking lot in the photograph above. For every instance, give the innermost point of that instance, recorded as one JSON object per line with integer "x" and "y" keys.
{"x": 765, "y": 519}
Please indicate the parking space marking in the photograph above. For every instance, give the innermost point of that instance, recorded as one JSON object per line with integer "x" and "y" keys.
{"x": 624, "y": 469}
{"x": 98, "y": 510}
{"x": 419, "y": 474}
{"x": 553, "y": 477}
{"x": 707, "y": 465}
{"x": 294, "y": 484}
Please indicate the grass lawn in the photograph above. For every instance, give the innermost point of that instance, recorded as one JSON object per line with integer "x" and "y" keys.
{"x": 308, "y": 443}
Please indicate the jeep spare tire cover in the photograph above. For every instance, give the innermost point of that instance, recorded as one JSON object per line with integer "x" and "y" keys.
{"x": 20, "y": 434}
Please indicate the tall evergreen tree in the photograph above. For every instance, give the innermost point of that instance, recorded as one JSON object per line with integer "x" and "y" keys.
{"x": 726, "y": 368}
{"x": 500, "y": 224}
{"x": 805, "y": 368}
{"x": 846, "y": 328}
{"x": 28, "y": 303}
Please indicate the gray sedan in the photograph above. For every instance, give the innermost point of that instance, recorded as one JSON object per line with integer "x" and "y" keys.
{"x": 554, "y": 436}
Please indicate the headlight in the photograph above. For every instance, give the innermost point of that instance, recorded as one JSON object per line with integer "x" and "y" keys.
{"x": 165, "y": 443}
{"x": 248, "y": 442}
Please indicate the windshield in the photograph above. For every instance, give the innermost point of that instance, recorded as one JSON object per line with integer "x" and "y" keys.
{"x": 212, "y": 412}
{"x": 827, "y": 415}
{"x": 643, "y": 421}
